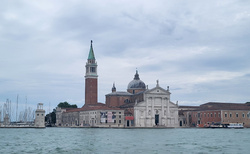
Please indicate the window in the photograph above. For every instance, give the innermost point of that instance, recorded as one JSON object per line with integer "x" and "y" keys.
{"x": 114, "y": 121}
{"x": 237, "y": 115}
{"x": 218, "y": 114}
{"x": 37, "y": 114}
{"x": 208, "y": 115}
{"x": 120, "y": 116}
{"x": 230, "y": 115}
{"x": 214, "y": 114}
{"x": 120, "y": 113}
{"x": 92, "y": 69}
{"x": 120, "y": 121}
{"x": 225, "y": 115}
{"x": 211, "y": 114}
{"x": 243, "y": 115}
{"x": 204, "y": 114}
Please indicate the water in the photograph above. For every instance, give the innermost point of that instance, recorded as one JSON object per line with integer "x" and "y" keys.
{"x": 87, "y": 140}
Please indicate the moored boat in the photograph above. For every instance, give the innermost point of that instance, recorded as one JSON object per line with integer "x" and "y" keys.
{"x": 235, "y": 125}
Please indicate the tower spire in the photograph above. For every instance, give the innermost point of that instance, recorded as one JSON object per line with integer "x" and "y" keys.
{"x": 91, "y": 52}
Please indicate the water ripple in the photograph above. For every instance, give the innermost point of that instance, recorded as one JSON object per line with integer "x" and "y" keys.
{"x": 127, "y": 141}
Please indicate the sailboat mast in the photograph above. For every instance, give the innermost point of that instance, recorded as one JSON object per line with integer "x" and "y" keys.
{"x": 25, "y": 110}
{"x": 16, "y": 107}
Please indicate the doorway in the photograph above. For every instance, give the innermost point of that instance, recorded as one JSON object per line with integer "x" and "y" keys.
{"x": 127, "y": 123}
{"x": 180, "y": 123}
{"x": 157, "y": 119}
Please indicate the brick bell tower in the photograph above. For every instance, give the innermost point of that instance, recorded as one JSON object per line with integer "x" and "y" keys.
{"x": 91, "y": 79}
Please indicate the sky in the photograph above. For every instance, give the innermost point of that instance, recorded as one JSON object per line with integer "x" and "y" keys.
{"x": 200, "y": 49}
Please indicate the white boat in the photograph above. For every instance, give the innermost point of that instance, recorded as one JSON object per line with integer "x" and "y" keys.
{"x": 235, "y": 125}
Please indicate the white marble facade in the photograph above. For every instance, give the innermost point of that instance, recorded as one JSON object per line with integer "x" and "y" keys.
{"x": 156, "y": 110}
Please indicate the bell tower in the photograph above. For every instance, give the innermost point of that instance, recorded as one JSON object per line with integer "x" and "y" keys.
{"x": 91, "y": 79}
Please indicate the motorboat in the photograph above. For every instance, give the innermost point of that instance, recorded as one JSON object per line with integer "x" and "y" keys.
{"x": 235, "y": 125}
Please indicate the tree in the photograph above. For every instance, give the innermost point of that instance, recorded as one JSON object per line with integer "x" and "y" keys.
{"x": 66, "y": 105}
{"x": 51, "y": 117}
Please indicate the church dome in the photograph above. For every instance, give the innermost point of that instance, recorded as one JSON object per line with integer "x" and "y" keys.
{"x": 136, "y": 83}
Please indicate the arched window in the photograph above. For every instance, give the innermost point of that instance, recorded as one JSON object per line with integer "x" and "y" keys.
{"x": 248, "y": 114}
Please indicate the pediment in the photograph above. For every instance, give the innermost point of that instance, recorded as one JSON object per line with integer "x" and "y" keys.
{"x": 143, "y": 104}
{"x": 158, "y": 90}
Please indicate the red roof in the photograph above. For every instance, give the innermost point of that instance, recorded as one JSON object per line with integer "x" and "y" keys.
{"x": 98, "y": 106}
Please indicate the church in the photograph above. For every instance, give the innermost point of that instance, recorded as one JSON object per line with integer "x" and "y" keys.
{"x": 136, "y": 107}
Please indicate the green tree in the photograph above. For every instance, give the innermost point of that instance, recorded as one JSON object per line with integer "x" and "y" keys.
{"x": 66, "y": 105}
{"x": 51, "y": 117}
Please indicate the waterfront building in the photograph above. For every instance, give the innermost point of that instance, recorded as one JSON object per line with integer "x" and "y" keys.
{"x": 136, "y": 107}
{"x": 216, "y": 113}
{"x": 156, "y": 109}
{"x": 144, "y": 107}
{"x": 92, "y": 116}
{"x": 184, "y": 113}
{"x": 40, "y": 116}
{"x": 93, "y": 113}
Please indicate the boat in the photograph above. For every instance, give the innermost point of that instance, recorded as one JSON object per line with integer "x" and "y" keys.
{"x": 235, "y": 125}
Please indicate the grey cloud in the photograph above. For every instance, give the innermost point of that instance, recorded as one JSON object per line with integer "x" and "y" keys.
{"x": 44, "y": 47}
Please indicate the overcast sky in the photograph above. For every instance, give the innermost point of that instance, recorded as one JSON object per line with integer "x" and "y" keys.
{"x": 198, "y": 48}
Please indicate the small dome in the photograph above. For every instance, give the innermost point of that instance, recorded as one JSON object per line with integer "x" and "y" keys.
{"x": 136, "y": 83}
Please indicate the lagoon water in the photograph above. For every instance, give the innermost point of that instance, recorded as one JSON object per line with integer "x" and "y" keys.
{"x": 97, "y": 140}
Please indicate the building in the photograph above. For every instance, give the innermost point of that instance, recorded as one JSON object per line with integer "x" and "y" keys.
{"x": 91, "y": 79}
{"x": 156, "y": 109}
{"x": 184, "y": 115}
{"x": 93, "y": 113}
{"x": 145, "y": 107}
{"x": 136, "y": 107}
{"x": 40, "y": 116}
{"x": 216, "y": 113}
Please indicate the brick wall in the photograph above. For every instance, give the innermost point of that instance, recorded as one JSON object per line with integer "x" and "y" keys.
{"x": 90, "y": 91}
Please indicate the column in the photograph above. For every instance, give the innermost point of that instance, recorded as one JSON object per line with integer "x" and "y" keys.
{"x": 162, "y": 112}
{"x": 168, "y": 113}
{"x": 168, "y": 108}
